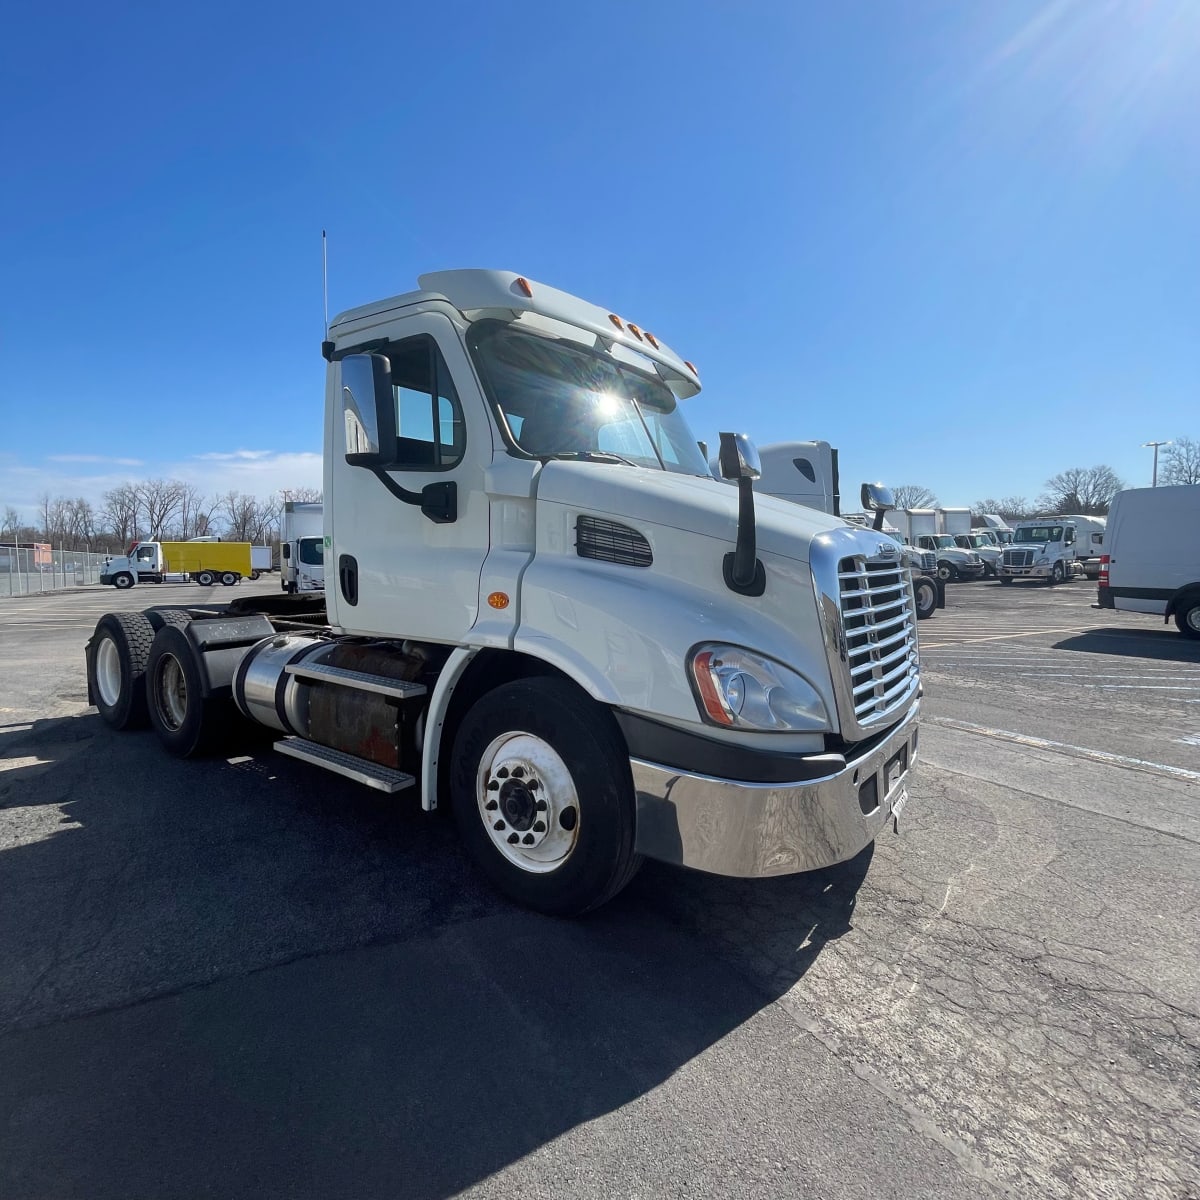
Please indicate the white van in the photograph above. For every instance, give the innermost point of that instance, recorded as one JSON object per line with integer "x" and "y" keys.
{"x": 1153, "y": 559}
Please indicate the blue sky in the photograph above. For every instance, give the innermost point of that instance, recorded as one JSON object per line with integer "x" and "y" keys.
{"x": 959, "y": 241}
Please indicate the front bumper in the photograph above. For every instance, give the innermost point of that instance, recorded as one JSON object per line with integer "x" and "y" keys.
{"x": 749, "y": 830}
{"x": 1038, "y": 571}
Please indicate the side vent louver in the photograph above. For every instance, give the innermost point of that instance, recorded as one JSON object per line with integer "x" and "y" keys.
{"x": 607, "y": 541}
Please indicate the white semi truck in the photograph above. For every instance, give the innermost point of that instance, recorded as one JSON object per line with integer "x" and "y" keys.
{"x": 807, "y": 473}
{"x": 543, "y": 610}
{"x": 302, "y": 547}
{"x": 1041, "y": 550}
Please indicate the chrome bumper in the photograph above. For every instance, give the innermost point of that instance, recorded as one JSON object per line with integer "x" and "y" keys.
{"x": 749, "y": 830}
{"x": 1039, "y": 572}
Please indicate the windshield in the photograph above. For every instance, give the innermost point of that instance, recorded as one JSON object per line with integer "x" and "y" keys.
{"x": 561, "y": 399}
{"x": 1039, "y": 533}
{"x": 312, "y": 552}
{"x": 977, "y": 540}
{"x": 942, "y": 541}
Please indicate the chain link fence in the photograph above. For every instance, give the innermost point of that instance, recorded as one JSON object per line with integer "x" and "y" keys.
{"x": 28, "y": 569}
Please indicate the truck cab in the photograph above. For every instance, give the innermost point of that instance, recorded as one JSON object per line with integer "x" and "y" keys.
{"x": 953, "y": 562}
{"x": 983, "y": 545}
{"x": 1040, "y": 550}
{"x": 542, "y": 610}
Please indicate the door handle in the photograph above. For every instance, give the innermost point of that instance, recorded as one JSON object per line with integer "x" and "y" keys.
{"x": 348, "y": 578}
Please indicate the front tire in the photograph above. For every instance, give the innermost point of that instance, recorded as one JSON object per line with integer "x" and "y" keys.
{"x": 947, "y": 572}
{"x": 1006, "y": 580}
{"x": 925, "y": 594}
{"x": 123, "y": 582}
{"x": 116, "y": 665}
{"x": 1056, "y": 575}
{"x": 1187, "y": 619}
{"x": 543, "y": 796}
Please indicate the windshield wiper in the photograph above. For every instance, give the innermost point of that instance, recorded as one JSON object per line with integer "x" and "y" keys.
{"x": 593, "y": 456}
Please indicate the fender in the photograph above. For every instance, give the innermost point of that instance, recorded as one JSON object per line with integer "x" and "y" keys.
{"x": 1187, "y": 592}
{"x": 435, "y": 720}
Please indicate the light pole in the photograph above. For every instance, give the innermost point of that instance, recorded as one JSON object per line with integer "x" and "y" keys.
{"x": 1156, "y": 446}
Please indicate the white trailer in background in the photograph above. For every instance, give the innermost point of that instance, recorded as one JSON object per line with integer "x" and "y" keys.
{"x": 262, "y": 559}
{"x": 302, "y": 547}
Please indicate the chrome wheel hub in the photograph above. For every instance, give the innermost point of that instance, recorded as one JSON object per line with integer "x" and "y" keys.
{"x": 108, "y": 671}
{"x": 171, "y": 692}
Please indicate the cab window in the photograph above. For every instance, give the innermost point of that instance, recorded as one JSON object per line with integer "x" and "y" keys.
{"x": 430, "y": 432}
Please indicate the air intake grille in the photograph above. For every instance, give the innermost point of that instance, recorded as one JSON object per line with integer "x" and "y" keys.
{"x": 928, "y": 561}
{"x": 1018, "y": 558}
{"x": 881, "y": 635}
{"x": 607, "y": 541}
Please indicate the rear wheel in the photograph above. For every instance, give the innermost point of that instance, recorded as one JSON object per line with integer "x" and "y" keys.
{"x": 543, "y": 797}
{"x": 1187, "y": 618}
{"x": 254, "y": 576}
{"x": 205, "y": 578}
{"x": 186, "y": 723}
{"x": 925, "y": 594}
{"x": 229, "y": 578}
{"x": 116, "y": 664}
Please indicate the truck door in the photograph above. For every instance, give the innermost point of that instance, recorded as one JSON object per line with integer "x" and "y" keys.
{"x": 390, "y": 568}
{"x": 145, "y": 561}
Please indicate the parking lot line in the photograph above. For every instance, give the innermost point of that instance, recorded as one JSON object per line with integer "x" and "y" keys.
{"x": 1000, "y": 637}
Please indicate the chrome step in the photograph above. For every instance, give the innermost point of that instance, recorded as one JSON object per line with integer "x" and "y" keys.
{"x": 361, "y": 770}
{"x": 364, "y": 682}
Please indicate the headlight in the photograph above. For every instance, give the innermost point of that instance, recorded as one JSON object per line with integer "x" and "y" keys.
{"x": 738, "y": 689}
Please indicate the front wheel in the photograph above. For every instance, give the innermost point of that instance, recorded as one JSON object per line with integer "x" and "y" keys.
{"x": 947, "y": 572}
{"x": 1006, "y": 580}
{"x": 1056, "y": 575}
{"x": 925, "y": 593}
{"x": 1187, "y": 619}
{"x": 123, "y": 582}
{"x": 543, "y": 796}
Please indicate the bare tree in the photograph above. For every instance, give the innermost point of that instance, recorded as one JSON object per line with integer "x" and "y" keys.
{"x": 119, "y": 512}
{"x": 241, "y": 513}
{"x": 11, "y": 525}
{"x": 159, "y": 501}
{"x": 912, "y": 495}
{"x": 195, "y": 512}
{"x": 303, "y": 495}
{"x": 1083, "y": 490}
{"x": 1180, "y": 462}
{"x": 1011, "y": 508}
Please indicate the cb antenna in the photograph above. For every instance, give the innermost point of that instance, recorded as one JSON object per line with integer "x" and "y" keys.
{"x": 326, "y": 345}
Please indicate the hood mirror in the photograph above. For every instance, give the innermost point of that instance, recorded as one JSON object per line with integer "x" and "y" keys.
{"x": 739, "y": 457}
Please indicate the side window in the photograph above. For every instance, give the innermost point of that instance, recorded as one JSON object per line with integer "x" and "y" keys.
{"x": 430, "y": 433}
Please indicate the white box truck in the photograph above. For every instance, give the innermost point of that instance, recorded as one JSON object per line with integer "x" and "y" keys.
{"x": 544, "y": 611}
{"x": 807, "y": 473}
{"x": 919, "y": 527}
{"x": 1151, "y": 562}
{"x": 302, "y": 547}
{"x": 204, "y": 561}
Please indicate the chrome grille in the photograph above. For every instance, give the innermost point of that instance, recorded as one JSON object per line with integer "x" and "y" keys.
{"x": 1018, "y": 558}
{"x": 928, "y": 561}
{"x": 879, "y": 628}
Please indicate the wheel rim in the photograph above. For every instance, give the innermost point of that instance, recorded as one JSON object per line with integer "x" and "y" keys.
{"x": 228, "y": 580}
{"x": 943, "y": 573}
{"x": 527, "y": 802}
{"x": 1193, "y": 619}
{"x": 123, "y": 581}
{"x": 170, "y": 692}
{"x": 108, "y": 671}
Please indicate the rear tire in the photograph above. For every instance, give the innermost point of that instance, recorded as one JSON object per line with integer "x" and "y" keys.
{"x": 1187, "y": 619}
{"x": 186, "y": 723}
{"x": 229, "y": 578}
{"x": 254, "y": 576}
{"x": 925, "y": 594}
{"x": 205, "y": 578}
{"x": 543, "y": 797}
{"x": 116, "y": 668}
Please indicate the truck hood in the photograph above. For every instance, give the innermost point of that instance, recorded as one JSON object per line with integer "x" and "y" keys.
{"x": 691, "y": 503}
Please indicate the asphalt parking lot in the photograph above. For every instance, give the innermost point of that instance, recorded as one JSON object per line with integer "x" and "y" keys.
{"x": 233, "y": 977}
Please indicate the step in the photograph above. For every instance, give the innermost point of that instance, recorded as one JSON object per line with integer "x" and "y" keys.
{"x": 364, "y": 682}
{"x": 361, "y": 770}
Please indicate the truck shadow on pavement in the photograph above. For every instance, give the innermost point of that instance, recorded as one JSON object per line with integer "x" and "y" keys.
{"x": 230, "y": 977}
{"x": 1163, "y": 643}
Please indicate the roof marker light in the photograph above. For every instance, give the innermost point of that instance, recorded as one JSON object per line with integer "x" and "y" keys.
{"x": 691, "y": 367}
{"x": 651, "y": 338}
{"x": 523, "y": 284}
{"x": 637, "y": 333}
{"x": 617, "y": 321}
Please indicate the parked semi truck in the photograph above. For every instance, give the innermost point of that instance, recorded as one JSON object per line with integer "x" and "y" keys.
{"x": 807, "y": 473}
{"x": 543, "y": 610}
{"x": 202, "y": 561}
{"x": 919, "y": 527}
{"x": 1043, "y": 550}
{"x": 302, "y": 547}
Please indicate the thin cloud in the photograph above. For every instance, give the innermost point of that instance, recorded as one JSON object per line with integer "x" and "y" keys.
{"x": 95, "y": 458}
{"x": 235, "y": 456}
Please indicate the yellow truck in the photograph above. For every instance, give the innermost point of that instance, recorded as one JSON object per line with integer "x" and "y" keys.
{"x": 202, "y": 562}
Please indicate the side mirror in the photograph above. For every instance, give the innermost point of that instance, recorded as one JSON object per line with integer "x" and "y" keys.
{"x": 877, "y": 498}
{"x": 739, "y": 457}
{"x": 369, "y": 410}
{"x": 285, "y": 551}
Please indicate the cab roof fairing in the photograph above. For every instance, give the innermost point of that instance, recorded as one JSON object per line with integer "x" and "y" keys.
{"x": 479, "y": 293}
